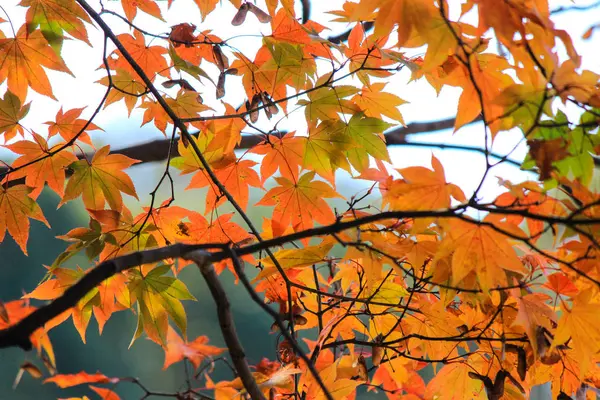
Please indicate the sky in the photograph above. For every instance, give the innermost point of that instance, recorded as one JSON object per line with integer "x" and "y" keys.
{"x": 462, "y": 168}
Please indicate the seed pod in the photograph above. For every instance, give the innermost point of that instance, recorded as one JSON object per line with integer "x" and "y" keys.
{"x": 181, "y": 82}
{"x": 260, "y": 14}
{"x": 361, "y": 369}
{"x": 253, "y": 106}
{"x": 264, "y": 97}
{"x": 221, "y": 85}
{"x": 240, "y": 16}
{"x": 270, "y": 105}
{"x": 377, "y": 351}
{"x": 220, "y": 59}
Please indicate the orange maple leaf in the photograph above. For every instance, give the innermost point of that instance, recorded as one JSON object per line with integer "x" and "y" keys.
{"x": 16, "y": 310}
{"x": 53, "y": 288}
{"x": 101, "y": 180}
{"x": 17, "y": 207}
{"x": 70, "y": 127}
{"x": 300, "y": 203}
{"x": 38, "y": 166}
{"x": 236, "y": 177}
{"x": 480, "y": 249}
{"x": 376, "y": 103}
{"x": 54, "y": 18}
{"x": 27, "y": 55}
{"x": 69, "y": 380}
{"x": 422, "y": 189}
{"x": 130, "y": 7}
{"x": 127, "y": 88}
{"x": 283, "y": 153}
{"x": 113, "y": 296}
{"x": 206, "y": 7}
{"x": 150, "y": 58}
{"x": 105, "y": 394}
{"x": 453, "y": 382}
{"x": 195, "y": 351}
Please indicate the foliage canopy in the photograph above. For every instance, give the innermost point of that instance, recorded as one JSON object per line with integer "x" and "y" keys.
{"x": 498, "y": 295}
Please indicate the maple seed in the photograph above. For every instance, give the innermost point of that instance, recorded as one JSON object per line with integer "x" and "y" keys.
{"x": 362, "y": 373}
{"x": 256, "y": 99}
{"x": 220, "y": 60}
{"x": 260, "y": 14}
{"x": 240, "y": 16}
{"x": 181, "y": 82}
{"x": 377, "y": 350}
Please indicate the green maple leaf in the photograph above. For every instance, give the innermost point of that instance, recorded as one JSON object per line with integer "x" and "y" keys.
{"x": 158, "y": 298}
{"x": 367, "y": 135}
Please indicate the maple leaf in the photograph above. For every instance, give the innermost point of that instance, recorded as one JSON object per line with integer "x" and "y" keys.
{"x": 104, "y": 393}
{"x": 366, "y": 136}
{"x": 453, "y": 382}
{"x": 13, "y": 312}
{"x": 480, "y": 249}
{"x": 534, "y": 313}
{"x": 11, "y": 112}
{"x": 55, "y": 18}
{"x": 294, "y": 258}
{"x": 561, "y": 284}
{"x": 64, "y": 381}
{"x": 236, "y": 177}
{"x": 53, "y": 288}
{"x": 17, "y": 207}
{"x": 27, "y": 54}
{"x": 39, "y": 165}
{"x": 301, "y": 203}
{"x": 365, "y": 55}
{"x": 130, "y": 7}
{"x": 283, "y": 154}
{"x": 100, "y": 180}
{"x": 546, "y": 153}
{"x": 195, "y": 351}
{"x": 206, "y": 7}
{"x": 412, "y": 17}
{"x": 158, "y": 297}
{"x": 376, "y": 103}
{"x": 187, "y": 104}
{"x": 580, "y": 324}
{"x": 325, "y": 149}
{"x": 490, "y": 80}
{"x": 127, "y": 88}
{"x": 150, "y": 58}
{"x": 182, "y": 34}
{"x": 113, "y": 296}
{"x": 422, "y": 189}
{"x": 70, "y": 127}
{"x": 327, "y": 102}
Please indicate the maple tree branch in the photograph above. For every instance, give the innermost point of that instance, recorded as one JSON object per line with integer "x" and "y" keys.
{"x": 202, "y": 260}
{"x": 18, "y": 334}
{"x": 237, "y": 265}
{"x": 157, "y": 150}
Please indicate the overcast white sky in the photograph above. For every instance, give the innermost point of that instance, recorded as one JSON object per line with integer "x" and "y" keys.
{"x": 464, "y": 169}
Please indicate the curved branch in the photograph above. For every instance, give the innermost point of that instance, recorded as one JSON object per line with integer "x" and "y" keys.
{"x": 202, "y": 260}
{"x": 18, "y": 334}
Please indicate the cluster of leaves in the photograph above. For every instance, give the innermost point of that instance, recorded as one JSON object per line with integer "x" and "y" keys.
{"x": 497, "y": 304}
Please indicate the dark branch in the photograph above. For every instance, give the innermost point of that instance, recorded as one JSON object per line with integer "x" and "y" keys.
{"x": 202, "y": 260}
